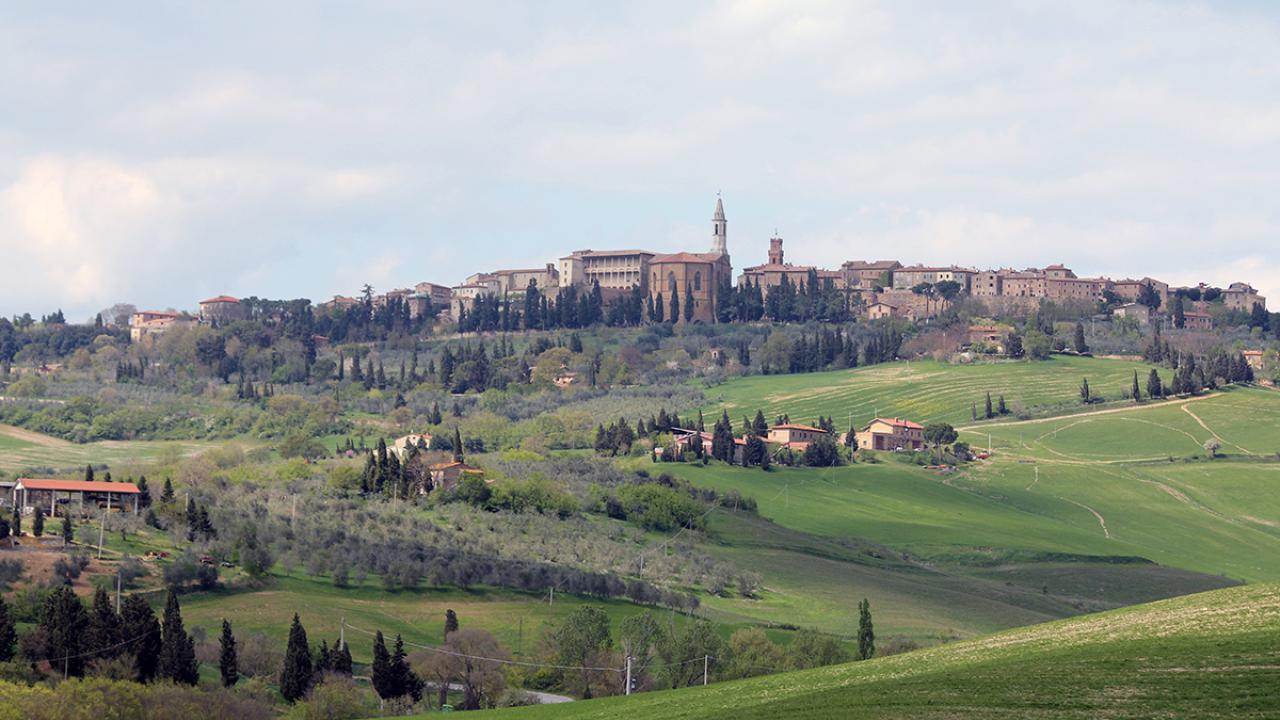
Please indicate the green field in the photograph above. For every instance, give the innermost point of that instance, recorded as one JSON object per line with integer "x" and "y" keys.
{"x": 1211, "y": 655}
{"x": 923, "y": 390}
{"x": 22, "y": 449}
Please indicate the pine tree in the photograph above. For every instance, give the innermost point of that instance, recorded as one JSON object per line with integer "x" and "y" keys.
{"x": 228, "y": 663}
{"x": 295, "y": 677}
{"x": 177, "y": 660}
{"x": 166, "y": 495}
{"x": 138, "y": 625}
{"x": 8, "y": 632}
{"x": 866, "y": 632}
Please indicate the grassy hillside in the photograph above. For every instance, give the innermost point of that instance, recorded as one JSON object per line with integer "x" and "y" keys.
{"x": 923, "y": 391}
{"x": 1211, "y": 655}
{"x": 21, "y": 449}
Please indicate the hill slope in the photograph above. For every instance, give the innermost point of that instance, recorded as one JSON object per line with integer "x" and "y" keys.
{"x": 1209, "y": 655}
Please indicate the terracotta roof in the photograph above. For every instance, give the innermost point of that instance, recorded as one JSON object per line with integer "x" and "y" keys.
{"x": 78, "y": 486}
{"x": 1252, "y": 353}
{"x": 448, "y": 465}
{"x": 899, "y": 422}
{"x": 796, "y": 426}
{"x": 220, "y": 299}
{"x": 684, "y": 257}
{"x": 1193, "y": 313}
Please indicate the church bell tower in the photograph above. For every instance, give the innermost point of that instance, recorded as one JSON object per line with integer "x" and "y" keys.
{"x": 719, "y": 229}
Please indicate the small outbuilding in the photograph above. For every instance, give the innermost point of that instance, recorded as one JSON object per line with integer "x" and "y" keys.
{"x": 59, "y": 497}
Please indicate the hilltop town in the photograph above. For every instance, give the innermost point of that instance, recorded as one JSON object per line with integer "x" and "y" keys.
{"x": 631, "y": 286}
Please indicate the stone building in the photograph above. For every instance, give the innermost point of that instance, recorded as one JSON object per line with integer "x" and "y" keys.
{"x": 221, "y": 309}
{"x": 770, "y": 274}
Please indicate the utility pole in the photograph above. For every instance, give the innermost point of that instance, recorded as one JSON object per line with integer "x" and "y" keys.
{"x": 102, "y": 531}
{"x": 706, "y": 661}
{"x": 119, "y": 582}
{"x": 628, "y": 686}
{"x": 293, "y": 511}
{"x": 342, "y": 631}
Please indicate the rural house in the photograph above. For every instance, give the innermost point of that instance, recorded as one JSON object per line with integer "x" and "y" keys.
{"x": 891, "y": 434}
{"x": 794, "y": 436}
{"x": 402, "y": 445}
{"x": 445, "y": 476}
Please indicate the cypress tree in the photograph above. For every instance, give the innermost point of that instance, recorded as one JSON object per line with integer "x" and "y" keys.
{"x": 1155, "y": 388}
{"x": 380, "y": 670}
{"x": 63, "y": 622}
{"x": 8, "y": 633}
{"x": 342, "y": 659}
{"x": 228, "y": 663}
{"x": 404, "y": 679}
{"x": 866, "y": 633}
{"x": 139, "y": 626}
{"x": 457, "y": 445}
{"x": 177, "y": 660}
{"x": 450, "y": 623}
{"x": 103, "y": 636}
{"x": 144, "y": 493}
{"x": 1136, "y": 390}
{"x": 1081, "y": 346}
{"x": 166, "y": 495}
{"x": 68, "y": 528}
{"x": 88, "y": 473}
{"x": 989, "y": 413}
{"x": 37, "y": 523}
{"x": 295, "y": 677}
{"x": 1001, "y": 407}
{"x": 16, "y": 523}
{"x": 1084, "y": 391}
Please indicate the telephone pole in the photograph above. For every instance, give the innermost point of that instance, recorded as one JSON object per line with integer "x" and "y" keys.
{"x": 706, "y": 661}
{"x": 628, "y": 686}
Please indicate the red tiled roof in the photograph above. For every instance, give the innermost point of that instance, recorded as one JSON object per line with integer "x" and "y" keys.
{"x": 796, "y": 426}
{"x": 78, "y": 486}
{"x": 684, "y": 257}
{"x": 899, "y": 422}
{"x": 220, "y": 299}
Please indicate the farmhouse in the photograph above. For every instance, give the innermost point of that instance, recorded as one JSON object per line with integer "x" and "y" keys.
{"x": 682, "y": 440}
{"x": 402, "y": 445}
{"x": 445, "y": 476}
{"x": 794, "y": 436}
{"x": 89, "y": 496}
{"x": 879, "y": 310}
{"x": 891, "y": 434}
{"x": 1254, "y": 358}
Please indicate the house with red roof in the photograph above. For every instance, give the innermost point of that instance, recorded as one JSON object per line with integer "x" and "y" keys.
{"x": 891, "y": 434}
{"x": 223, "y": 308}
{"x": 795, "y": 436}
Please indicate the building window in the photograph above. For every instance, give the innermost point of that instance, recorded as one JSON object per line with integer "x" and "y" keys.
{"x": 697, "y": 281}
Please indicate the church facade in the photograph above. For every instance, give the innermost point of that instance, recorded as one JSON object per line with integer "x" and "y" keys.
{"x": 692, "y": 279}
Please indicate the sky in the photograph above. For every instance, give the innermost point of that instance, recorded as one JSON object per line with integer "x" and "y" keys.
{"x": 161, "y": 153}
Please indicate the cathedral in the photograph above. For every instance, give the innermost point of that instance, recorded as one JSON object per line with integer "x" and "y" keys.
{"x": 692, "y": 279}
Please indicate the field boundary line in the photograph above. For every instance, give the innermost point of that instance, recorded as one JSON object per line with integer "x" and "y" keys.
{"x": 1109, "y": 411}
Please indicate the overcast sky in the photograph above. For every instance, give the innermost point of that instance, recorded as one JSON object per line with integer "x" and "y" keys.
{"x": 160, "y": 154}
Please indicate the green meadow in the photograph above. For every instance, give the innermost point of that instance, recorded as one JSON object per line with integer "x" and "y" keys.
{"x": 924, "y": 390}
{"x": 23, "y": 449}
{"x": 1209, "y": 655}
